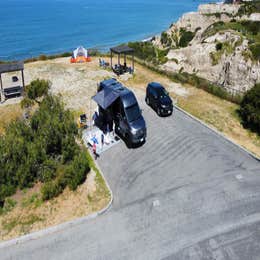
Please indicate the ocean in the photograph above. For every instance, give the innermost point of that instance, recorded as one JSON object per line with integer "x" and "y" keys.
{"x": 29, "y": 28}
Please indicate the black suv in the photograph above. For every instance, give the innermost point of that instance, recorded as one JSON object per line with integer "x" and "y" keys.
{"x": 158, "y": 98}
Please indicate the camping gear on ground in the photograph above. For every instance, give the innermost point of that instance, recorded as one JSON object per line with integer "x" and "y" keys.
{"x": 103, "y": 63}
{"x": 82, "y": 121}
{"x": 80, "y": 55}
{"x": 108, "y": 139}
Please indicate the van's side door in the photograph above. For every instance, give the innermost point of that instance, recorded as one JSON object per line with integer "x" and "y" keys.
{"x": 122, "y": 120}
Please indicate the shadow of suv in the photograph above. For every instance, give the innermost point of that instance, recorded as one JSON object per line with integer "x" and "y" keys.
{"x": 158, "y": 98}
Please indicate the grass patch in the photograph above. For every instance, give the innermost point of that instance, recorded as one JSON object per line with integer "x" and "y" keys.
{"x": 8, "y": 114}
{"x": 248, "y": 8}
{"x": 221, "y": 48}
{"x": 148, "y": 52}
{"x": 34, "y": 201}
{"x": 102, "y": 190}
{"x": 8, "y": 206}
{"x": 248, "y": 29}
{"x": 24, "y": 222}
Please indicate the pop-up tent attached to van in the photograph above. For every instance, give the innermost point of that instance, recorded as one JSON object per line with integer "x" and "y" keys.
{"x": 105, "y": 97}
{"x": 80, "y": 55}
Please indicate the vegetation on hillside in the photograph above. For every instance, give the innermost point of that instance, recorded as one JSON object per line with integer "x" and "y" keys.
{"x": 248, "y": 8}
{"x": 194, "y": 80}
{"x": 222, "y": 48}
{"x": 248, "y": 29}
{"x": 177, "y": 39}
{"x": 42, "y": 148}
{"x": 250, "y": 109}
{"x": 148, "y": 52}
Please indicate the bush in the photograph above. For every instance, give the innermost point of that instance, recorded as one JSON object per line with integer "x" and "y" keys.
{"x": 186, "y": 37}
{"x": 255, "y": 50}
{"x": 37, "y": 88}
{"x": 148, "y": 52}
{"x": 51, "y": 190}
{"x": 219, "y": 46}
{"x": 34, "y": 149}
{"x": 77, "y": 171}
{"x": 42, "y": 57}
{"x": 166, "y": 39}
{"x": 47, "y": 171}
{"x": 250, "y": 109}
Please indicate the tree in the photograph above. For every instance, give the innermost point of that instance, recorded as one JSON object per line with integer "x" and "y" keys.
{"x": 34, "y": 92}
{"x": 250, "y": 109}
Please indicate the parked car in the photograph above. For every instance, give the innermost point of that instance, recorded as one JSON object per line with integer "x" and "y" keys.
{"x": 158, "y": 98}
{"x": 125, "y": 112}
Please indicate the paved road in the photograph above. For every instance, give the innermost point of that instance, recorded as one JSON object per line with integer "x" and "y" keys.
{"x": 186, "y": 193}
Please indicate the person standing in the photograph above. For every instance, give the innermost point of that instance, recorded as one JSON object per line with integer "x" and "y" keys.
{"x": 94, "y": 149}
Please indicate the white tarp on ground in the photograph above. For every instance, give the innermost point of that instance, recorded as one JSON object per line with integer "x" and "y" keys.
{"x": 109, "y": 139}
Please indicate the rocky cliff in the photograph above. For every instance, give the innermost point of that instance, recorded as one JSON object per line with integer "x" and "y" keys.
{"x": 220, "y": 42}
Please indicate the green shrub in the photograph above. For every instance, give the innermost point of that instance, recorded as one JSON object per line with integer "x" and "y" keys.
{"x": 255, "y": 50}
{"x": 250, "y": 109}
{"x": 148, "y": 52}
{"x": 32, "y": 150}
{"x": 185, "y": 38}
{"x": 166, "y": 39}
{"x": 248, "y": 8}
{"x": 47, "y": 171}
{"x": 9, "y": 204}
{"x": 219, "y": 46}
{"x": 51, "y": 190}
{"x": 37, "y": 89}
{"x": 77, "y": 171}
{"x": 42, "y": 57}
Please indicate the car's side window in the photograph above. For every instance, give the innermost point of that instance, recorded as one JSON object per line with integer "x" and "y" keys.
{"x": 155, "y": 94}
{"x": 152, "y": 92}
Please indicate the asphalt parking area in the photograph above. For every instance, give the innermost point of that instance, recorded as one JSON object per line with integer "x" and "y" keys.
{"x": 187, "y": 193}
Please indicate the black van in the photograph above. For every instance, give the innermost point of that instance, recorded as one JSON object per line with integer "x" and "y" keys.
{"x": 158, "y": 98}
{"x": 125, "y": 112}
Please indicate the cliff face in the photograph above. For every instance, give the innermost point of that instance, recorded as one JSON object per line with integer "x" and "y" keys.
{"x": 210, "y": 43}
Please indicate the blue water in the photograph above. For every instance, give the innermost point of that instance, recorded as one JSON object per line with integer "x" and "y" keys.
{"x": 32, "y": 27}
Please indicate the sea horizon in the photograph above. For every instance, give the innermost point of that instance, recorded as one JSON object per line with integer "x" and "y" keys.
{"x": 56, "y": 26}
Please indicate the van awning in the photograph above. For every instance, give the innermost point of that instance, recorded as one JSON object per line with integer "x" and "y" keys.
{"x": 105, "y": 97}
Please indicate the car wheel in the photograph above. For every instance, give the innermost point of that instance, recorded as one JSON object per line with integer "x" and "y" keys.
{"x": 158, "y": 112}
{"x": 128, "y": 141}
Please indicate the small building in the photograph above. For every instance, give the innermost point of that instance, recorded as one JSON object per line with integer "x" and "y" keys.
{"x": 14, "y": 87}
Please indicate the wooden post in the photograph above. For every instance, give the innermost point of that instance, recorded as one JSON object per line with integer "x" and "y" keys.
{"x": 111, "y": 60}
{"x": 133, "y": 63}
{"x": 1, "y": 91}
{"x": 119, "y": 59}
{"x": 23, "y": 80}
{"x": 23, "y": 83}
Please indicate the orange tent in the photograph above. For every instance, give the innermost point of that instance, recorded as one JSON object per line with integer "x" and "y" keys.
{"x": 80, "y": 55}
